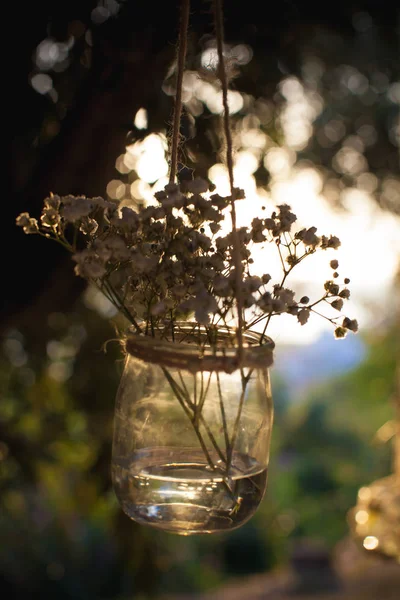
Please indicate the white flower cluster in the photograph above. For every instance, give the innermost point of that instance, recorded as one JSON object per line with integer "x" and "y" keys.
{"x": 169, "y": 262}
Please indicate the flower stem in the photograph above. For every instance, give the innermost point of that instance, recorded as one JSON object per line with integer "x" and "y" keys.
{"x": 223, "y": 417}
{"x": 175, "y": 389}
{"x": 245, "y": 380}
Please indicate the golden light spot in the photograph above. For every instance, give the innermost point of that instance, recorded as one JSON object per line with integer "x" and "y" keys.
{"x": 218, "y": 174}
{"x": 246, "y": 162}
{"x": 291, "y": 89}
{"x": 253, "y": 138}
{"x": 349, "y": 161}
{"x": 141, "y": 121}
{"x": 364, "y": 494}
{"x": 116, "y": 189}
{"x": 370, "y": 542}
{"x": 361, "y": 517}
{"x": 367, "y": 182}
{"x": 130, "y": 161}
{"x": 147, "y": 157}
{"x": 140, "y": 190}
{"x": 278, "y": 161}
{"x": 209, "y": 58}
{"x": 212, "y": 98}
{"x": 121, "y": 166}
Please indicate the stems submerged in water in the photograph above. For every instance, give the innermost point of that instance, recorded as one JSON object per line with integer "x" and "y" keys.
{"x": 193, "y": 405}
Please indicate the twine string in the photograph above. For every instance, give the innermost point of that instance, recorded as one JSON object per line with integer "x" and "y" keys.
{"x": 181, "y": 58}
{"x": 219, "y": 30}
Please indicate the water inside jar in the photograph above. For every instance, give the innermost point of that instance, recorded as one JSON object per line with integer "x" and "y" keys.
{"x": 176, "y": 490}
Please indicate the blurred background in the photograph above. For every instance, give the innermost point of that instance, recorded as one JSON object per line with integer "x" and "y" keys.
{"x": 314, "y": 98}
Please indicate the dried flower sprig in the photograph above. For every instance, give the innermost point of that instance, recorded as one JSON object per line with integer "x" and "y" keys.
{"x": 169, "y": 262}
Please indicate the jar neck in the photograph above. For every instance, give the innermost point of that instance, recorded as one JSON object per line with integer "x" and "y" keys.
{"x": 197, "y": 348}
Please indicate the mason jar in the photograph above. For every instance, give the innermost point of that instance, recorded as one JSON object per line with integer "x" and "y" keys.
{"x": 192, "y": 429}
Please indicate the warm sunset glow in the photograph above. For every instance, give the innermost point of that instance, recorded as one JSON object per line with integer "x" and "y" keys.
{"x": 370, "y": 237}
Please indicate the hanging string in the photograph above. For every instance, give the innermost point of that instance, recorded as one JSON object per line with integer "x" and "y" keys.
{"x": 219, "y": 30}
{"x": 181, "y": 57}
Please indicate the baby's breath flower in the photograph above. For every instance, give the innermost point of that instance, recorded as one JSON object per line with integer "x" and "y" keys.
{"x": 286, "y": 218}
{"x": 252, "y": 284}
{"x": 331, "y": 288}
{"x": 285, "y": 295}
{"x": 292, "y": 260}
{"x": 118, "y": 248}
{"x": 28, "y": 224}
{"x": 350, "y": 324}
{"x": 340, "y": 332}
{"x": 129, "y": 217}
{"x": 88, "y": 265}
{"x": 331, "y": 242}
{"x": 337, "y": 304}
{"x": 219, "y": 201}
{"x": 76, "y": 208}
{"x": 303, "y": 316}
{"x": 23, "y": 219}
{"x": 266, "y": 302}
{"x": 269, "y": 224}
{"x": 345, "y": 293}
{"x": 169, "y": 261}
{"x": 309, "y": 238}
{"x": 53, "y": 201}
{"x": 214, "y": 227}
{"x": 238, "y": 194}
{"x": 88, "y": 226}
{"x": 197, "y": 186}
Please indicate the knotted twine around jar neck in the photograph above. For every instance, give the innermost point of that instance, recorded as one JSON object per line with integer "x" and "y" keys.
{"x": 195, "y": 358}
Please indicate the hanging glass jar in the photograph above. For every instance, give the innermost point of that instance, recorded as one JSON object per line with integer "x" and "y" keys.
{"x": 192, "y": 430}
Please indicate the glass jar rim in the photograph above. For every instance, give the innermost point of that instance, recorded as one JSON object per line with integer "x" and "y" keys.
{"x": 193, "y": 349}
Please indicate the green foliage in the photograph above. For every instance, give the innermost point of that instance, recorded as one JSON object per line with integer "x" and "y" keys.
{"x": 58, "y": 510}
{"x": 325, "y": 449}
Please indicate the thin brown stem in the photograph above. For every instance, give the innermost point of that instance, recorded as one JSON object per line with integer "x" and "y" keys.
{"x": 223, "y": 417}
{"x": 196, "y": 418}
{"x": 108, "y": 290}
{"x": 184, "y": 387}
{"x": 245, "y": 380}
{"x": 182, "y": 46}
{"x": 177, "y": 392}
